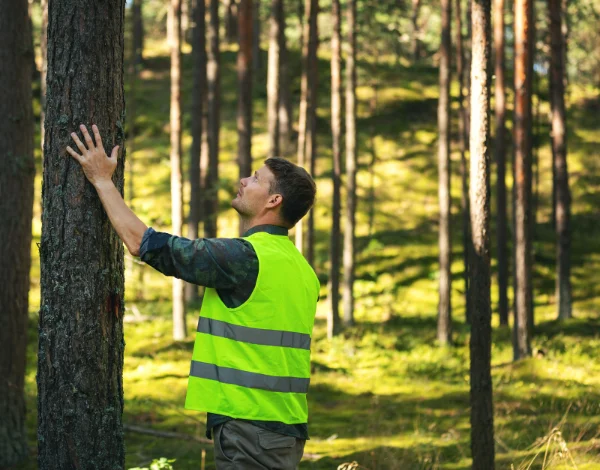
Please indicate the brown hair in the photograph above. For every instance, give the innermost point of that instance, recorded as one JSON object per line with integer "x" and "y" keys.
{"x": 295, "y": 185}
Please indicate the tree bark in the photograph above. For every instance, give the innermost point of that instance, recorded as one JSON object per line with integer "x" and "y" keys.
{"x": 44, "y": 67}
{"x": 416, "y": 31}
{"x": 559, "y": 144}
{"x": 462, "y": 138}
{"x": 444, "y": 326}
{"x": 286, "y": 115}
{"x": 500, "y": 151}
{"x": 211, "y": 192}
{"x": 81, "y": 316}
{"x": 231, "y": 20}
{"x": 16, "y": 211}
{"x": 179, "y": 324}
{"x": 197, "y": 117}
{"x": 333, "y": 317}
{"x": 351, "y": 163}
{"x": 138, "y": 32}
{"x": 482, "y": 410}
{"x": 256, "y": 56}
{"x": 522, "y": 139}
{"x": 244, "y": 73}
{"x": 273, "y": 77}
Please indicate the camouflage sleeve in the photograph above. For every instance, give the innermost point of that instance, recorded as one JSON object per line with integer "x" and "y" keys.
{"x": 221, "y": 263}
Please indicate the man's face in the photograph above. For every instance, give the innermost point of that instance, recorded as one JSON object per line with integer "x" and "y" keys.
{"x": 253, "y": 195}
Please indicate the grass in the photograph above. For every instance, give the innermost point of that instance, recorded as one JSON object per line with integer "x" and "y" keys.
{"x": 383, "y": 394}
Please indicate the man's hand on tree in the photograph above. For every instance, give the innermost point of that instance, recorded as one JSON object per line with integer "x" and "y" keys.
{"x": 96, "y": 165}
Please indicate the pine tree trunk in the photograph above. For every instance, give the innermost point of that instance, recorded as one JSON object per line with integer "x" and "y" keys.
{"x": 444, "y": 327}
{"x": 256, "y": 56}
{"x": 351, "y": 163}
{"x": 197, "y": 117}
{"x": 462, "y": 138}
{"x": 44, "y": 67}
{"x": 273, "y": 77}
{"x": 416, "y": 32}
{"x": 522, "y": 139}
{"x": 138, "y": 32}
{"x": 16, "y": 211}
{"x": 500, "y": 156}
{"x": 81, "y": 316}
{"x": 231, "y": 20}
{"x": 179, "y": 324}
{"x": 559, "y": 143}
{"x": 482, "y": 410}
{"x": 244, "y": 73}
{"x": 333, "y": 316}
{"x": 211, "y": 193}
{"x": 286, "y": 115}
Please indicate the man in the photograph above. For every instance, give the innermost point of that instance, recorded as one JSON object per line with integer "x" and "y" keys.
{"x": 251, "y": 361}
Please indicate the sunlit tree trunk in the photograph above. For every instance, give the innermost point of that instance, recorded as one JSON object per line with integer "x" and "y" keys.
{"x": 16, "y": 211}
{"x": 81, "y": 343}
{"x": 174, "y": 32}
{"x": 522, "y": 139}
{"x": 273, "y": 76}
{"x": 482, "y": 410}
{"x": 444, "y": 327}
{"x": 559, "y": 144}
{"x": 351, "y": 163}
{"x": 500, "y": 154}
{"x": 333, "y": 316}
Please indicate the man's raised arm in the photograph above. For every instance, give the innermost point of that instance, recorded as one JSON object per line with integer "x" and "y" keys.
{"x": 98, "y": 169}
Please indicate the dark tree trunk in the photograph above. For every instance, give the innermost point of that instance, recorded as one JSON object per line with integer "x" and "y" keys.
{"x": 482, "y": 410}
{"x": 559, "y": 144}
{"x": 333, "y": 316}
{"x": 44, "y": 67}
{"x": 16, "y": 211}
{"x": 462, "y": 138}
{"x": 286, "y": 115}
{"x": 500, "y": 151}
{"x": 81, "y": 316}
{"x": 211, "y": 192}
{"x": 244, "y": 73}
{"x": 197, "y": 117}
{"x": 416, "y": 31}
{"x": 179, "y": 325}
{"x": 444, "y": 327}
{"x": 256, "y": 56}
{"x": 138, "y": 32}
{"x": 273, "y": 77}
{"x": 231, "y": 20}
{"x": 351, "y": 163}
{"x": 522, "y": 139}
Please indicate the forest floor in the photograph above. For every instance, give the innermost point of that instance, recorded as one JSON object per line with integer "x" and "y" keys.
{"x": 383, "y": 394}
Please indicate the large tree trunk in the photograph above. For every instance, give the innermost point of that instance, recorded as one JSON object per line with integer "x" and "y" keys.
{"x": 138, "y": 32}
{"x": 44, "y": 67}
{"x": 81, "y": 316}
{"x": 444, "y": 327}
{"x": 333, "y": 315}
{"x": 482, "y": 410}
{"x": 462, "y": 138}
{"x": 307, "y": 115}
{"x": 351, "y": 164}
{"x": 179, "y": 324}
{"x": 244, "y": 73}
{"x": 286, "y": 115}
{"x": 559, "y": 144}
{"x": 211, "y": 185}
{"x": 197, "y": 117}
{"x": 522, "y": 139}
{"x": 16, "y": 207}
{"x": 273, "y": 78}
{"x": 500, "y": 155}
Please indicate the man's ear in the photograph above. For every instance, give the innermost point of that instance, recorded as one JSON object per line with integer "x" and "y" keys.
{"x": 274, "y": 200}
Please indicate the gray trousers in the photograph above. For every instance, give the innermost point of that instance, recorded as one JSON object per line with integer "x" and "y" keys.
{"x": 242, "y": 446}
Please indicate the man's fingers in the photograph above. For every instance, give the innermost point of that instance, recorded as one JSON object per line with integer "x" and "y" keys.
{"x": 97, "y": 137}
{"x": 74, "y": 154}
{"x": 87, "y": 137}
{"x": 115, "y": 152}
{"x": 78, "y": 142}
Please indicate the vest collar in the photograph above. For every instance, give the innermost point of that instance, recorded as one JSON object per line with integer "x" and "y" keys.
{"x": 271, "y": 229}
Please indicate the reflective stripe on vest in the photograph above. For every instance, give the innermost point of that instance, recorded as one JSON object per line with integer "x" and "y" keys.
{"x": 244, "y": 334}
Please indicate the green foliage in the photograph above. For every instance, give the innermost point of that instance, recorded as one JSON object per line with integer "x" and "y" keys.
{"x": 158, "y": 464}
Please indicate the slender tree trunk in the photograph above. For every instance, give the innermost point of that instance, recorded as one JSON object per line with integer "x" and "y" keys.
{"x": 273, "y": 77}
{"x": 559, "y": 143}
{"x": 16, "y": 211}
{"x": 522, "y": 139}
{"x": 44, "y": 67}
{"x": 285, "y": 96}
{"x": 184, "y": 18}
{"x": 80, "y": 358}
{"x": 231, "y": 20}
{"x": 462, "y": 137}
{"x": 179, "y": 324}
{"x": 211, "y": 193}
{"x": 482, "y": 410}
{"x": 500, "y": 151}
{"x": 197, "y": 117}
{"x": 333, "y": 317}
{"x": 416, "y": 32}
{"x": 444, "y": 327}
{"x": 256, "y": 56}
{"x": 138, "y": 32}
{"x": 351, "y": 163}
{"x": 244, "y": 72}
{"x": 467, "y": 68}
